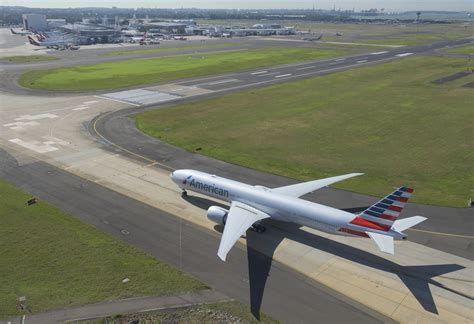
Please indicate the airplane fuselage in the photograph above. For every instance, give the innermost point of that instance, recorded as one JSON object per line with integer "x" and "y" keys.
{"x": 279, "y": 207}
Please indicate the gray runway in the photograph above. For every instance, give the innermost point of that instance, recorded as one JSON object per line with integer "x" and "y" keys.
{"x": 447, "y": 229}
{"x": 119, "y": 129}
{"x": 281, "y": 292}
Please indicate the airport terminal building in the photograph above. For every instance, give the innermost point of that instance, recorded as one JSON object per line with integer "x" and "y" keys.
{"x": 85, "y": 34}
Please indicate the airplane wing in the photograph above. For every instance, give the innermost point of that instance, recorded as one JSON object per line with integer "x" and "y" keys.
{"x": 239, "y": 219}
{"x": 300, "y": 189}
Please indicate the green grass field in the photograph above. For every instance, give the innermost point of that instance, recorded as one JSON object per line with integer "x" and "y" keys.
{"x": 170, "y": 49}
{"x": 114, "y": 75}
{"x": 28, "y": 58}
{"x": 468, "y": 50}
{"x": 388, "y": 121}
{"x": 208, "y": 313}
{"x": 57, "y": 261}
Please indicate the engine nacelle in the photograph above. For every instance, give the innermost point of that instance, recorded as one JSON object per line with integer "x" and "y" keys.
{"x": 217, "y": 214}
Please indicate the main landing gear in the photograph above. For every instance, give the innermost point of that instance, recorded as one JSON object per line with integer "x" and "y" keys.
{"x": 184, "y": 193}
{"x": 258, "y": 228}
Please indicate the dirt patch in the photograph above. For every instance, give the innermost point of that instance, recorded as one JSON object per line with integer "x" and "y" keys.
{"x": 452, "y": 77}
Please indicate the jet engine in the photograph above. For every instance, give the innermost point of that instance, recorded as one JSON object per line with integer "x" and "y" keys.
{"x": 217, "y": 214}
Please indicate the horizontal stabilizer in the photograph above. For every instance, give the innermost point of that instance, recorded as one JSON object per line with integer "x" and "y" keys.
{"x": 384, "y": 242}
{"x": 402, "y": 224}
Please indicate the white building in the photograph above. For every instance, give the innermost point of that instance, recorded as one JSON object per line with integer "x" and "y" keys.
{"x": 55, "y": 23}
{"x": 34, "y": 22}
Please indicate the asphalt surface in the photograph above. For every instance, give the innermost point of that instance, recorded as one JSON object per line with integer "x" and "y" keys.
{"x": 12, "y": 71}
{"x": 275, "y": 289}
{"x": 282, "y": 293}
{"x": 232, "y": 81}
{"x": 447, "y": 229}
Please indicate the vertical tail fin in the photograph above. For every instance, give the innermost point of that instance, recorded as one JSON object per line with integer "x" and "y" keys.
{"x": 32, "y": 41}
{"x": 387, "y": 210}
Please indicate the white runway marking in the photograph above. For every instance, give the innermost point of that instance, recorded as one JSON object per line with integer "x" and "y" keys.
{"x": 340, "y": 60}
{"x": 36, "y": 146}
{"x": 35, "y": 117}
{"x": 379, "y": 53}
{"x": 20, "y": 125}
{"x": 81, "y": 108}
{"x": 55, "y": 140}
{"x": 90, "y": 102}
{"x": 217, "y": 82}
{"x": 282, "y": 75}
{"x": 361, "y": 61}
{"x": 260, "y": 72}
{"x": 140, "y": 96}
{"x": 264, "y": 75}
{"x": 404, "y": 54}
{"x": 306, "y": 67}
{"x": 122, "y": 101}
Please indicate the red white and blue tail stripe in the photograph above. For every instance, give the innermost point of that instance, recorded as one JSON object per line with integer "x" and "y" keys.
{"x": 386, "y": 211}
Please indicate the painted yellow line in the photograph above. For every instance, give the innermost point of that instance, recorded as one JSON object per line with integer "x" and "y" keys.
{"x": 439, "y": 233}
{"x": 151, "y": 162}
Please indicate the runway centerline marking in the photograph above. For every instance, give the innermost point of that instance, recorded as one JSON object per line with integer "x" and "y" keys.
{"x": 260, "y": 72}
{"x": 283, "y": 75}
{"x": 379, "y": 53}
{"x": 340, "y": 60}
{"x": 362, "y": 61}
{"x": 264, "y": 75}
{"x": 404, "y": 54}
{"x": 217, "y": 82}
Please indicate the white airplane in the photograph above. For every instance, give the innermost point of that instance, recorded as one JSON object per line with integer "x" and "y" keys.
{"x": 22, "y": 32}
{"x": 49, "y": 43}
{"x": 251, "y": 204}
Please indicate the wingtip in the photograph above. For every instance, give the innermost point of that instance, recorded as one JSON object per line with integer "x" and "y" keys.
{"x": 421, "y": 217}
{"x": 221, "y": 256}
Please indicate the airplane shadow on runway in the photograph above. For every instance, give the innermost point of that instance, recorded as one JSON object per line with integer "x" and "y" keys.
{"x": 260, "y": 252}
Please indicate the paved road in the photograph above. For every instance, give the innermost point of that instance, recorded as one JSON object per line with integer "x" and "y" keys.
{"x": 124, "y": 306}
{"x": 281, "y": 292}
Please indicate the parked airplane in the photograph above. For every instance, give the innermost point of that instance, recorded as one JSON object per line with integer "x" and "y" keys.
{"x": 22, "y": 32}
{"x": 56, "y": 43}
{"x": 251, "y": 204}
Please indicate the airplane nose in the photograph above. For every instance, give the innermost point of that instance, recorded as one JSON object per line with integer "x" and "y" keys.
{"x": 177, "y": 176}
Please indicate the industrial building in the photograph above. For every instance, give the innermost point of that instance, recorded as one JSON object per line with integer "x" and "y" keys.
{"x": 166, "y": 27}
